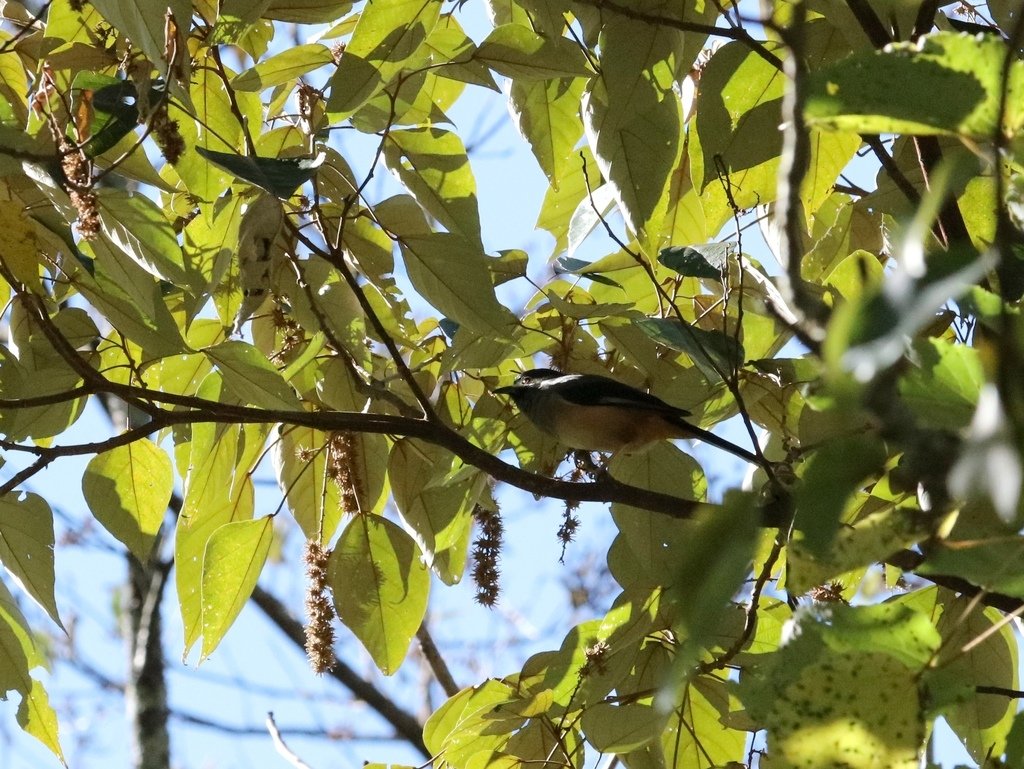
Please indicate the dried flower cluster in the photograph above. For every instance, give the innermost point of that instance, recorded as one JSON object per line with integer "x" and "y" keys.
{"x": 831, "y": 592}
{"x": 342, "y": 453}
{"x": 78, "y": 173}
{"x": 486, "y": 552}
{"x": 567, "y": 531}
{"x": 167, "y": 135}
{"x": 319, "y": 609}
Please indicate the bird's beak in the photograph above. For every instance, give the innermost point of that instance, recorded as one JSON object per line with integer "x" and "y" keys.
{"x": 507, "y": 390}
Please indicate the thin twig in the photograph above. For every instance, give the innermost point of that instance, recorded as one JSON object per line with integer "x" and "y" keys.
{"x": 282, "y": 747}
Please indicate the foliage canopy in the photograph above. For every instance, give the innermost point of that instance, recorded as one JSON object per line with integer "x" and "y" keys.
{"x": 245, "y": 293}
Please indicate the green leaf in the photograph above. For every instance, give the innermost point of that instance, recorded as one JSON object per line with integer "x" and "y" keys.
{"x": 250, "y": 376}
{"x": 389, "y": 37}
{"x": 140, "y": 229}
{"x": 622, "y": 728}
{"x": 232, "y": 563}
{"x": 572, "y": 266}
{"x": 128, "y": 297}
{"x": 517, "y": 52}
{"x": 822, "y": 707}
{"x": 38, "y": 718}
{"x": 855, "y": 546}
{"x": 738, "y": 117}
{"x": 893, "y": 91}
{"x": 981, "y": 721}
{"x": 236, "y": 20}
{"x": 634, "y": 123}
{"x": 451, "y": 273}
{"x": 19, "y": 654}
{"x": 834, "y": 472}
{"x": 710, "y": 260}
{"x": 218, "y": 489}
{"x": 993, "y": 563}
{"x": 307, "y": 461}
{"x": 220, "y": 131}
{"x": 712, "y": 565}
{"x": 380, "y": 587}
{"x": 452, "y": 54}
{"x": 105, "y": 107}
{"x": 713, "y": 352}
{"x": 26, "y": 547}
{"x": 461, "y": 727}
{"x": 283, "y": 67}
{"x": 439, "y": 514}
{"x": 896, "y": 629}
{"x": 314, "y": 499}
{"x": 432, "y": 163}
{"x": 943, "y": 386}
{"x": 307, "y": 11}
{"x": 278, "y": 176}
{"x": 128, "y": 489}
{"x": 143, "y": 22}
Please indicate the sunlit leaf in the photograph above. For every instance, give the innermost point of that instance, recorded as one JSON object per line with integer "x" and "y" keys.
{"x": 433, "y": 165}
{"x": 893, "y": 91}
{"x": 18, "y": 655}
{"x": 380, "y": 587}
{"x": 26, "y": 547}
{"x": 128, "y": 489}
{"x": 232, "y": 563}
{"x": 250, "y": 376}
{"x": 287, "y": 65}
{"x": 516, "y": 51}
{"x": 388, "y": 37}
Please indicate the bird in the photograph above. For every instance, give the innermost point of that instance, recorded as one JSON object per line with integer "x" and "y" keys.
{"x": 597, "y": 413}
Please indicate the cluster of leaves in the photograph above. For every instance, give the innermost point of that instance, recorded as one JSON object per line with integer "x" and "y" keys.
{"x": 884, "y": 376}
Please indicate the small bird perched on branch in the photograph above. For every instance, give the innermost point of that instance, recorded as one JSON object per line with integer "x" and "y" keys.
{"x": 597, "y": 413}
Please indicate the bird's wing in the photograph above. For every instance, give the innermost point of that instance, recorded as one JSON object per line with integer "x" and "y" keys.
{"x": 594, "y": 390}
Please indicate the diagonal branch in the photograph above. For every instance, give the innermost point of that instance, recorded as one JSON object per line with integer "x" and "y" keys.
{"x": 405, "y": 723}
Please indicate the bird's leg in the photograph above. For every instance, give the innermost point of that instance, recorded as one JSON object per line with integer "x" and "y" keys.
{"x": 584, "y": 462}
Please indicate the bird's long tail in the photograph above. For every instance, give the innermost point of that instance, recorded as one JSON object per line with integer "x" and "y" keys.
{"x": 692, "y": 431}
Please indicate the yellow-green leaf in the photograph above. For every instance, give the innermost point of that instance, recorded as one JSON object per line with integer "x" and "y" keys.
{"x": 232, "y": 564}
{"x": 548, "y": 115}
{"x": 621, "y": 728}
{"x": 518, "y": 52}
{"x": 390, "y": 36}
{"x": 38, "y": 718}
{"x": 26, "y": 547}
{"x": 127, "y": 489}
{"x": 451, "y": 273}
{"x": 439, "y": 514}
{"x": 380, "y": 587}
{"x": 18, "y": 655}
{"x": 432, "y": 163}
{"x": 280, "y": 68}
{"x": 140, "y": 229}
{"x": 250, "y": 376}
{"x": 633, "y": 121}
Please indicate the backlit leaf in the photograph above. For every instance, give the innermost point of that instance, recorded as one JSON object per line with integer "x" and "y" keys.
{"x": 128, "y": 489}
{"x": 380, "y": 587}
{"x": 232, "y": 563}
{"x": 26, "y": 547}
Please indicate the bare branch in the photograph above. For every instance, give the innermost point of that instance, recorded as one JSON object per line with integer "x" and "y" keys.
{"x": 436, "y": 661}
{"x": 404, "y": 723}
